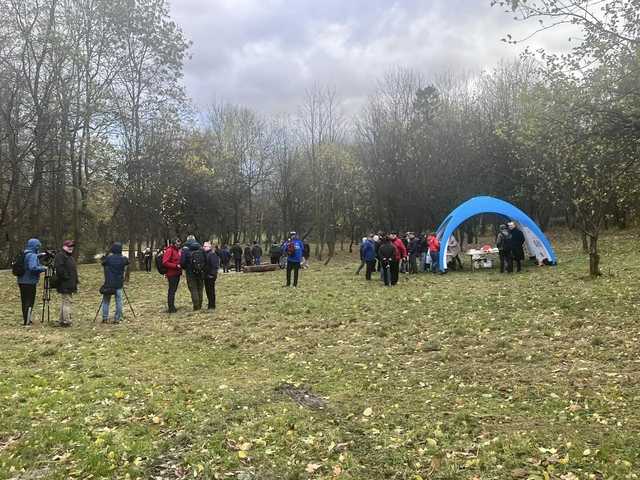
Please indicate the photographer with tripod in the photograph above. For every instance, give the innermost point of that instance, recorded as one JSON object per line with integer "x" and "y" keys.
{"x": 28, "y": 269}
{"x": 66, "y": 281}
{"x": 114, "y": 264}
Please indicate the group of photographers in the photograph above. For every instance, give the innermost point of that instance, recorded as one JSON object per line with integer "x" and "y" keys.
{"x": 200, "y": 264}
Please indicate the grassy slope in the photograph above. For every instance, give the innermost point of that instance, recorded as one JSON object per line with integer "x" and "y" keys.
{"x": 465, "y": 375}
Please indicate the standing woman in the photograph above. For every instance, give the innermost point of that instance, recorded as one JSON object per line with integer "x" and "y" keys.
{"x": 29, "y": 279}
{"x": 114, "y": 265}
{"x": 171, "y": 261}
{"x": 211, "y": 275}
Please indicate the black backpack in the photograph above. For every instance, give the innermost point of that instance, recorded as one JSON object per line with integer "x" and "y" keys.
{"x": 162, "y": 270}
{"x": 18, "y": 267}
{"x": 198, "y": 262}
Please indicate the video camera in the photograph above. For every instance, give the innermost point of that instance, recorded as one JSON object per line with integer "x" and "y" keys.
{"x": 47, "y": 257}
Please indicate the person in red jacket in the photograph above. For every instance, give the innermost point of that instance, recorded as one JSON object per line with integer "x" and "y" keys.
{"x": 401, "y": 252}
{"x": 171, "y": 261}
{"x": 434, "y": 251}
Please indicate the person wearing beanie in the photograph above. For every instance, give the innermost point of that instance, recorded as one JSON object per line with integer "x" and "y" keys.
{"x": 67, "y": 281}
{"x": 211, "y": 274}
{"x": 114, "y": 264}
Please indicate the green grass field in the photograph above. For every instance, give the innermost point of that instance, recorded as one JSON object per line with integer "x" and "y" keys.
{"x": 459, "y": 376}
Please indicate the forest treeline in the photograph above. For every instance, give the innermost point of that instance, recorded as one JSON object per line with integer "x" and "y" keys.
{"x": 99, "y": 142}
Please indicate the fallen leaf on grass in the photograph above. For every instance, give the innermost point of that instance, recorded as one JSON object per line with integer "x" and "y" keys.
{"x": 312, "y": 467}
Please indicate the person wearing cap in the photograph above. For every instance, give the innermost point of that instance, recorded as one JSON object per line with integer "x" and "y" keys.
{"x": 67, "y": 281}
{"x": 211, "y": 274}
{"x": 294, "y": 250}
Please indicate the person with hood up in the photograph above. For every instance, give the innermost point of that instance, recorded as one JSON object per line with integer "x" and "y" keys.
{"x": 28, "y": 281}
{"x": 294, "y": 249}
{"x": 171, "y": 262}
{"x": 236, "y": 250}
{"x": 114, "y": 265}
{"x": 194, "y": 262}
{"x": 211, "y": 275}
{"x": 362, "y": 260}
{"x": 67, "y": 275}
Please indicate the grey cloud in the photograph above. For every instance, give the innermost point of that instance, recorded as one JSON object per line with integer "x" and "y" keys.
{"x": 266, "y": 53}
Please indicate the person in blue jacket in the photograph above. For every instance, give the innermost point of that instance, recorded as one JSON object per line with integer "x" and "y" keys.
{"x": 293, "y": 249}
{"x": 114, "y": 265}
{"x": 369, "y": 256}
{"x": 28, "y": 281}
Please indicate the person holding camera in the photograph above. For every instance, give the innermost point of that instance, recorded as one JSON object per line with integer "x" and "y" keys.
{"x": 114, "y": 264}
{"x": 67, "y": 281}
{"x": 28, "y": 271}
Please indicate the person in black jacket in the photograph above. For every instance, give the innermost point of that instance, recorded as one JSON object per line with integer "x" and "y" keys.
{"x": 194, "y": 263}
{"x": 256, "y": 251}
{"x": 517, "y": 245}
{"x": 114, "y": 264}
{"x": 248, "y": 256}
{"x": 236, "y": 250}
{"x": 211, "y": 275}
{"x": 387, "y": 254}
{"x": 67, "y": 281}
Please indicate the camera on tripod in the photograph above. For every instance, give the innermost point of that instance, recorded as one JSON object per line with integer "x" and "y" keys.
{"x": 47, "y": 257}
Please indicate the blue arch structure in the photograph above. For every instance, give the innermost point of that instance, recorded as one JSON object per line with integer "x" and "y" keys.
{"x": 536, "y": 241}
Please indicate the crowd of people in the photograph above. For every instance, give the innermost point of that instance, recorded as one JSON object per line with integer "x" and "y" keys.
{"x": 391, "y": 254}
{"x": 200, "y": 263}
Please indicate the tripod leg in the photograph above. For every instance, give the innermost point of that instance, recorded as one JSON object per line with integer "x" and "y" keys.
{"x": 95, "y": 319}
{"x": 128, "y": 302}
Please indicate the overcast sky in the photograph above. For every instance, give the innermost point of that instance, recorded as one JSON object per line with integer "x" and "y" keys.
{"x": 265, "y": 53}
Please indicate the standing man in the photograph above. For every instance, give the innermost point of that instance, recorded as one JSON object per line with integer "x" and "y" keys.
{"x": 237, "y": 256}
{"x": 401, "y": 253}
{"x": 194, "y": 263}
{"x": 148, "y": 257}
{"x": 275, "y": 252}
{"x": 248, "y": 256}
{"x": 362, "y": 260}
{"x": 517, "y": 245}
{"x": 67, "y": 275}
{"x": 503, "y": 243}
{"x": 256, "y": 251}
{"x": 369, "y": 256}
{"x": 414, "y": 253}
{"x": 225, "y": 258}
{"x": 28, "y": 278}
{"x": 211, "y": 275}
{"x": 387, "y": 254}
{"x": 434, "y": 251}
{"x": 114, "y": 265}
{"x": 171, "y": 261}
{"x": 294, "y": 249}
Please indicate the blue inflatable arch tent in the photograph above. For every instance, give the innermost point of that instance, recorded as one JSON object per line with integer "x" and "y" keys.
{"x": 536, "y": 241}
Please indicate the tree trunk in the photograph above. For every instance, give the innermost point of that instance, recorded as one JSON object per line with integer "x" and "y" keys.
{"x": 594, "y": 256}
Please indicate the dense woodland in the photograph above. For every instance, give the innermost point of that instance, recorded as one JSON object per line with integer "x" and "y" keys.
{"x": 98, "y": 140}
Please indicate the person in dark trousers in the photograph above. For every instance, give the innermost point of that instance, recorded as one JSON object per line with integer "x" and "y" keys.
{"x": 293, "y": 249}
{"x": 362, "y": 261}
{"x": 401, "y": 254}
{"x": 256, "y": 252}
{"x": 306, "y": 254}
{"x": 369, "y": 256}
{"x": 275, "y": 252}
{"x": 387, "y": 254}
{"x": 503, "y": 243}
{"x": 517, "y": 245}
{"x": 171, "y": 261}
{"x": 29, "y": 280}
{"x": 194, "y": 261}
{"x": 67, "y": 275}
{"x": 248, "y": 256}
{"x": 114, "y": 265}
{"x": 225, "y": 258}
{"x": 236, "y": 250}
{"x": 211, "y": 275}
{"x": 148, "y": 259}
{"x": 414, "y": 253}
